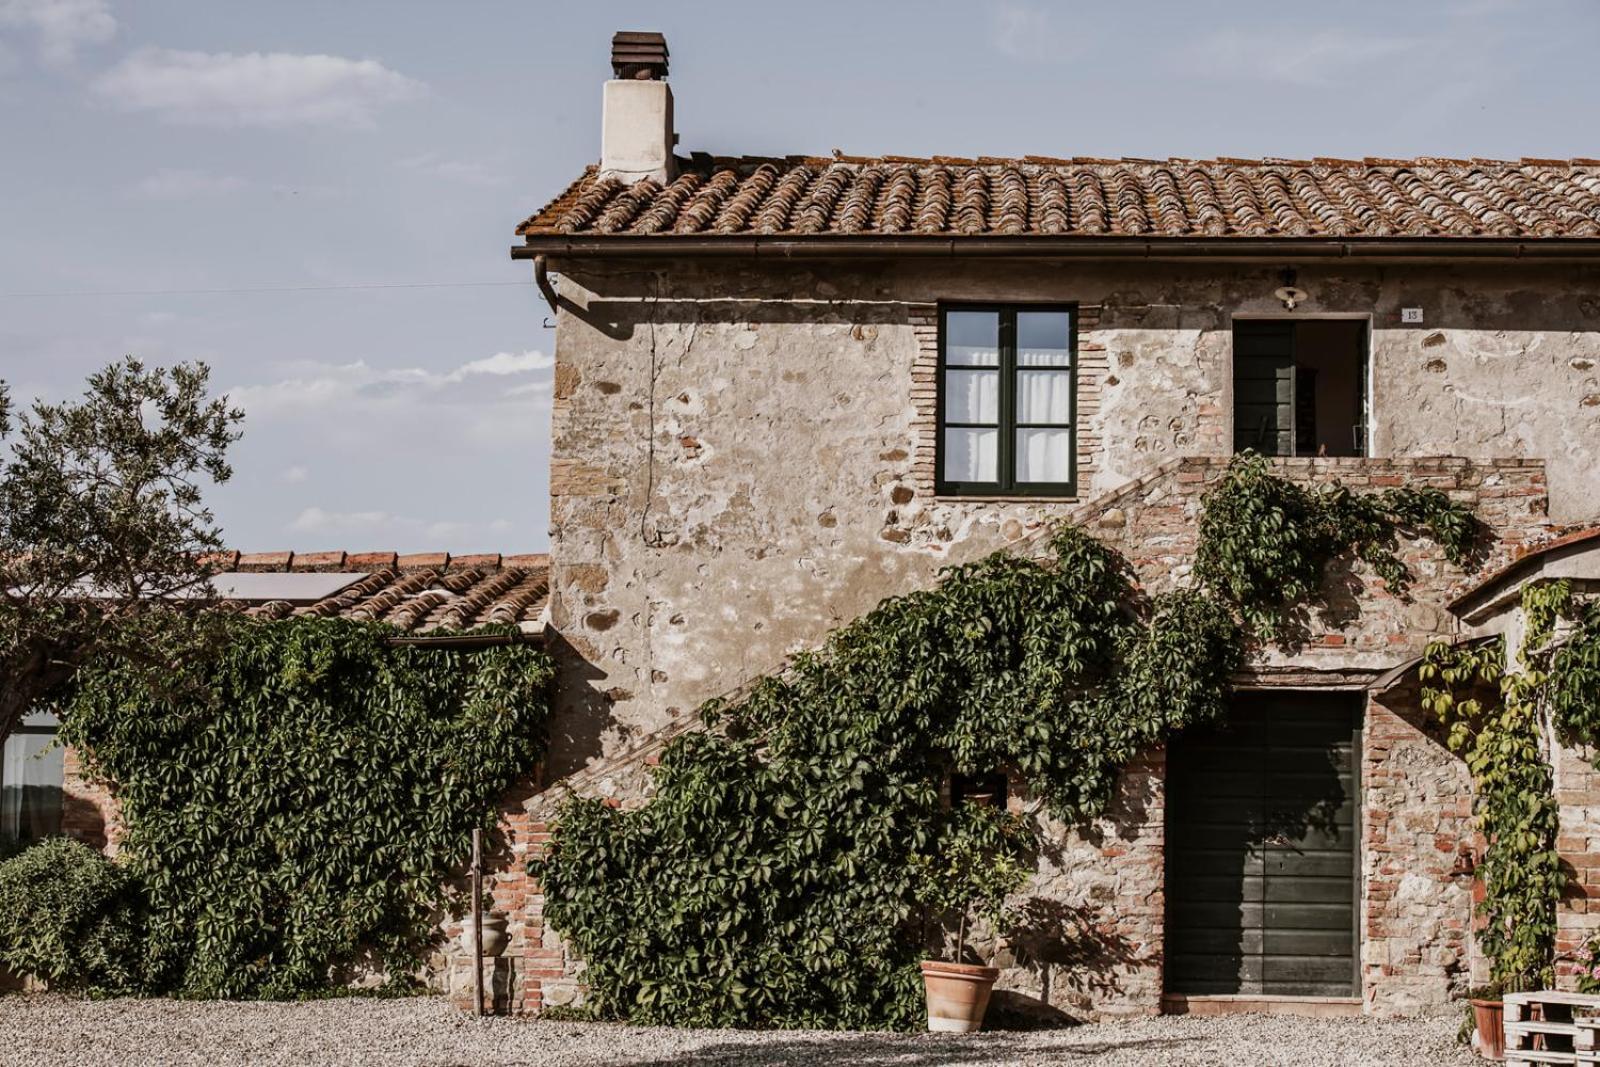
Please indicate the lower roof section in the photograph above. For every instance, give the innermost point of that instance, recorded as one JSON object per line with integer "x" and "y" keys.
{"x": 416, "y": 594}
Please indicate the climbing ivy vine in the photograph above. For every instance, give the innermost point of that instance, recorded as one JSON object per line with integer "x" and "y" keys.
{"x": 1265, "y": 542}
{"x": 772, "y": 878}
{"x": 1496, "y": 717}
{"x": 295, "y": 799}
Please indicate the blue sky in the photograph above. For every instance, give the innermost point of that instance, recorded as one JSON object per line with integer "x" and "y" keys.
{"x": 166, "y": 146}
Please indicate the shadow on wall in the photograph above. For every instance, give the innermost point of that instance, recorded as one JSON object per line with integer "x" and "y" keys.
{"x": 618, "y": 319}
{"x": 1075, "y": 957}
{"x": 582, "y": 710}
{"x": 83, "y": 821}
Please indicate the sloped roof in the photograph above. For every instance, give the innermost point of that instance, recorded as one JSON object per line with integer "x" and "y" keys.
{"x": 413, "y": 593}
{"x": 1527, "y": 561}
{"x": 1531, "y": 199}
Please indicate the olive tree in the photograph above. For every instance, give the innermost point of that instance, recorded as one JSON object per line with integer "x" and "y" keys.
{"x": 102, "y": 521}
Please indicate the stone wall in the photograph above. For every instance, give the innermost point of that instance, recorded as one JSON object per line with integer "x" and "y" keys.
{"x": 1418, "y": 855}
{"x": 741, "y": 457}
{"x": 88, "y": 810}
{"x": 1578, "y": 798}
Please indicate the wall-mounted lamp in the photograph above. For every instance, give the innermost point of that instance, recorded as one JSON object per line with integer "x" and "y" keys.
{"x": 1291, "y": 296}
{"x": 1288, "y": 292}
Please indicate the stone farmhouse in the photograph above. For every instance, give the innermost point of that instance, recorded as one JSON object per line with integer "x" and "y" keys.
{"x": 786, "y": 388}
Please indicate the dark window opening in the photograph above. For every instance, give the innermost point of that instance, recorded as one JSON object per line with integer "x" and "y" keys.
{"x": 1006, "y": 401}
{"x": 1300, "y": 388}
{"x": 986, "y": 789}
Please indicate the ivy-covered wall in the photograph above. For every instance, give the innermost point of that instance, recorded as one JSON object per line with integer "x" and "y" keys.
{"x": 294, "y": 800}
{"x": 1109, "y": 876}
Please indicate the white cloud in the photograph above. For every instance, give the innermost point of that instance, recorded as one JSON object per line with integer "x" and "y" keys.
{"x": 254, "y": 89}
{"x": 1022, "y": 31}
{"x": 293, "y": 475}
{"x": 314, "y": 387}
{"x": 503, "y": 363}
{"x": 461, "y": 171}
{"x": 170, "y": 184}
{"x": 1294, "y": 56}
{"x": 317, "y": 520}
{"x": 58, "y": 28}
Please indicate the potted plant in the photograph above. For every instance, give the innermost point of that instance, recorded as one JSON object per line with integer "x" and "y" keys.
{"x": 978, "y": 863}
{"x": 1488, "y": 1021}
{"x": 1489, "y": 1011}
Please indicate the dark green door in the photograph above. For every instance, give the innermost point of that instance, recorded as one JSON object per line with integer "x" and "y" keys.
{"x": 1263, "y": 387}
{"x": 1261, "y": 849}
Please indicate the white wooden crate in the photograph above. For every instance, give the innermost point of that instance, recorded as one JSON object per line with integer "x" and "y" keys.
{"x": 1566, "y": 1023}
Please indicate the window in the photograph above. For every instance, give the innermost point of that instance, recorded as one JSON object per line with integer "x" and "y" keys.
{"x": 31, "y": 769}
{"x": 1299, "y": 387}
{"x": 1007, "y": 397}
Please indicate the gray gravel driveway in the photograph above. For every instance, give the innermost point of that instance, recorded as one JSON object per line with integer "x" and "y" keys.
{"x": 54, "y": 1031}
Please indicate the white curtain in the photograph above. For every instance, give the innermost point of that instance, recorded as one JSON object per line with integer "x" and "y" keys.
{"x": 971, "y": 455}
{"x": 1044, "y": 396}
{"x": 31, "y": 772}
{"x": 972, "y": 339}
{"x": 972, "y": 396}
{"x": 1044, "y": 455}
{"x": 1044, "y": 339}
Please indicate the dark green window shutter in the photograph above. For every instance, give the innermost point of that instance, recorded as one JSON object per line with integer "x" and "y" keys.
{"x": 1263, "y": 387}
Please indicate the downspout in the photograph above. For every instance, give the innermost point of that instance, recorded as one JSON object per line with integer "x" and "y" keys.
{"x": 541, "y": 278}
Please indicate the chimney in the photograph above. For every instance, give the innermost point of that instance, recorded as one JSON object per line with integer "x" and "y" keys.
{"x": 636, "y": 137}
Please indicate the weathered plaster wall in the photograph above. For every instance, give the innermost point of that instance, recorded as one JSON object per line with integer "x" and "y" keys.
{"x": 741, "y": 457}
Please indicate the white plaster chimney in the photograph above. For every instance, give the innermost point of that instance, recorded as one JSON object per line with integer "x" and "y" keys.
{"x": 636, "y": 138}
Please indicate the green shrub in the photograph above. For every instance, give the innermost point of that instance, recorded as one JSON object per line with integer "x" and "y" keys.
{"x": 71, "y": 917}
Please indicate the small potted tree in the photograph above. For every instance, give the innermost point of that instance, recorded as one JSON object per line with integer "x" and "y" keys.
{"x": 979, "y": 862}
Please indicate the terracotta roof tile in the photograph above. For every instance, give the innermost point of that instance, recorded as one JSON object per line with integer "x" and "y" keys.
{"x": 260, "y": 562}
{"x": 952, "y": 197}
{"x": 481, "y": 559}
{"x": 414, "y": 593}
{"x": 1523, "y": 560}
{"x": 317, "y": 561}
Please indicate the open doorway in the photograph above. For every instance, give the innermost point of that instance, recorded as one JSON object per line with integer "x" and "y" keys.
{"x": 1300, "y": 387}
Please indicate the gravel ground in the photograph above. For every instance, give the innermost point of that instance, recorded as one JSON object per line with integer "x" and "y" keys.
{"x": 46, "y": 1031}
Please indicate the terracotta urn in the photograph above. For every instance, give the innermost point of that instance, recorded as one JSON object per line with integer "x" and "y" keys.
{"x": 1489, "y": 1036}
{"x": 958, "y": 995}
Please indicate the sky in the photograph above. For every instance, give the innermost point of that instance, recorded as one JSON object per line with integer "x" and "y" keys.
{"x": 317, "y": 199}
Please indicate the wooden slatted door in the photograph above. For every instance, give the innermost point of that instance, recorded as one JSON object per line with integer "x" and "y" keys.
{"x": 1261, "y": 849}
{"x": 1263, "y": 388}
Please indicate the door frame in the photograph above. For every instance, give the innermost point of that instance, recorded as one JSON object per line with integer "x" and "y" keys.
{"x": 1368, "y": 378}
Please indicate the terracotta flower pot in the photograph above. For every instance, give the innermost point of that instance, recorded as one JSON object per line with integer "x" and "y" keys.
{"x": 1490, "y": 1035}
{"x": 958, "y": 995}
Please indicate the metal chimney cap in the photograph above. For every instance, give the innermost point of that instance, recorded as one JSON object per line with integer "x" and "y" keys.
{"x": 639, "y": 56}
